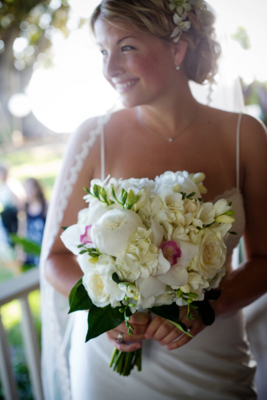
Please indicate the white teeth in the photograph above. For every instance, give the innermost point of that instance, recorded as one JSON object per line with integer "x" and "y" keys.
{"x": 125, "y": 85}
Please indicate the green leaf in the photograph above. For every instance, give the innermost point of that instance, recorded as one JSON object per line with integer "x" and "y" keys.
{"x": 64, "y": 228}
{"x": 87, "y": 190}
{"x": 101, "y": 320}
{"x": 28, "y": 246}
{"x": 190, "y": 195}
{"x": 205, "y": 312}
{"x": 170, "y": 312}
{"x": 212, "y": 294}
{"x": 83, "y": 252}
{"x": 78, "y": 298}
{"x": 96, "y": 191}
{"x": 233, "y": 233}
{"x": 114, "y": 194}
{"x": 116, "y": 278}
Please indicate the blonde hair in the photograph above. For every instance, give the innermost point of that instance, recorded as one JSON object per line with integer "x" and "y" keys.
{"x": 155, "y": 17}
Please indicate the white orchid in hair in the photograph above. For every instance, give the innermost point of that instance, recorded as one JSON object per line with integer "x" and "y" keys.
{"x": 182, "y": 26}
{"x": 180, "y": 6}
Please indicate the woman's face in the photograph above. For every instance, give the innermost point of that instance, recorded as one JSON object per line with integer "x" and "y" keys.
{"x": 139, "y": 66}
{"x": 30, "y": 189}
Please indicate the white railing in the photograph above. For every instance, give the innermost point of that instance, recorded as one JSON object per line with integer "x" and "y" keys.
{"x": 19, "y": 289}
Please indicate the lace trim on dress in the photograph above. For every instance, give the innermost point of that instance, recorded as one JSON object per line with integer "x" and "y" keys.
{"x": 52, "y": 332}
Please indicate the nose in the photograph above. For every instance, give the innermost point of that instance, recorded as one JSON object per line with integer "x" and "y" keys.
{"x": 112, "y": 66}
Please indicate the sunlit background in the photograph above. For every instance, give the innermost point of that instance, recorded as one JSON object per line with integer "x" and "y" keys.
{"x": 66, "y": 85}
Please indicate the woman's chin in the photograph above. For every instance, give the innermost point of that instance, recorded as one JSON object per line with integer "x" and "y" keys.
{"x": 130, "y": 101}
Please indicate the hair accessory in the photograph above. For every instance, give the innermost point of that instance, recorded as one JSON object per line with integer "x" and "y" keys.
{"x": 180, "y": 16}
{"x": 169, "y": 139}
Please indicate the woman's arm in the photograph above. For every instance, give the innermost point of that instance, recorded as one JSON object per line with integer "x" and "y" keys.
{"x": 61, "y": 268}
{"x": 247, "y": 283}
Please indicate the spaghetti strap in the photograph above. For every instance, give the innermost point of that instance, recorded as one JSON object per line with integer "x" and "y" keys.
{"x": 102, "y": 154}
{"x": 238, "y": 149}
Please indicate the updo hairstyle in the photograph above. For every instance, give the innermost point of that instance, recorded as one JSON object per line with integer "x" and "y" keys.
{"x": 155, "y": 17}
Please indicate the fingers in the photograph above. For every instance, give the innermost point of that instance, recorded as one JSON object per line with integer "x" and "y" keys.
{"x": 158, "y": 329}
{"x": 140, "y": 322}
{"x": 124, "y": 346}
{"x": 140, "y": 318}
{"x": 166, "y": 333}
{"x": 127, "y": 343}
{"x": 195, "y": 328}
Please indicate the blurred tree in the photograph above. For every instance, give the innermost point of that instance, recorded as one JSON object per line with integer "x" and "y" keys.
{"x": 26, "y": 31}
{"x": 242, "y": 37}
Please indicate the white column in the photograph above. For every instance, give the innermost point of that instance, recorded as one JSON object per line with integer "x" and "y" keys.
{"x": 31, "y": 348}
{"x": 7, "y": 377}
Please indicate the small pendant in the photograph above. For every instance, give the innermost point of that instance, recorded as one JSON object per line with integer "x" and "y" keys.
{"x": 170, "y": 139}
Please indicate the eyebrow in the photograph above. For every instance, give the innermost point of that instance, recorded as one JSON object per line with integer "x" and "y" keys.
{"x": 125, "y": 37}
{"x": 119, "y": 41}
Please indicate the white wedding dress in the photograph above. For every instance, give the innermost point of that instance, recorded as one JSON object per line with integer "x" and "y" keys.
{"x": 215, "y": 365}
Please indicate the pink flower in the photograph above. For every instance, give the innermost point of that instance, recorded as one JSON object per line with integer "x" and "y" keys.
{"x": 86, "y": 237}
{"x": 171, "y": 251}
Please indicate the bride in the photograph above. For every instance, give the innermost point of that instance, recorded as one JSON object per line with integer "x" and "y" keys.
{"x": 151, "y": 49}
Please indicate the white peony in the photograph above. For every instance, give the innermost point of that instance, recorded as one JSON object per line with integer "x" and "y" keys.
{"x": 111, "y": 232}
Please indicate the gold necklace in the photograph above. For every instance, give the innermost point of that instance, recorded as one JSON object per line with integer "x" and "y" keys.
{"x": 169, "y": 139}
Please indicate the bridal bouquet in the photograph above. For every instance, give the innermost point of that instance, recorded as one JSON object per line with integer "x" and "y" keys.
{"x": 147, "y": 244}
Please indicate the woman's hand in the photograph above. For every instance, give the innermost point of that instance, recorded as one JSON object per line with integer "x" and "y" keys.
{"x": 167, "y": 334}
{"x": 140, "y": 323}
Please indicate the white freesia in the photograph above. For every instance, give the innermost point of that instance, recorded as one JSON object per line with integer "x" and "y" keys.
{"x": 206, "y": 214}
{"x": 111, "y": 232}
{"x": 221, "y": 206}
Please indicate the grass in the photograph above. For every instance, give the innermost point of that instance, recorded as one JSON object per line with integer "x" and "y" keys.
{"x": 35, "y": 163}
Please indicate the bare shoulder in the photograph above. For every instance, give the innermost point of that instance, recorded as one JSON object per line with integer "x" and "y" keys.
{"x": 253, "y": 132}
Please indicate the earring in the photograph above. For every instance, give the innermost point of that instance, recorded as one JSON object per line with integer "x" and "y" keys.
{"x": 177, "y": 67}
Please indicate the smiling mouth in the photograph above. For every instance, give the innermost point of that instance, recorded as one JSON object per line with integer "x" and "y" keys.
{"x": 125, "y": 86}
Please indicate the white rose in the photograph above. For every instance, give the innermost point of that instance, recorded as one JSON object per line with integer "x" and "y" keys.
{"x": 212, "y": 254}
{"x": 111, "y": 232}
{"x": 101, "y": 289}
